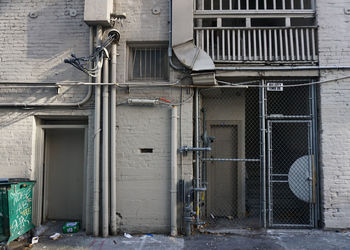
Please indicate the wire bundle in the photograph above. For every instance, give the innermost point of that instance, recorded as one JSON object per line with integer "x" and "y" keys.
{"x": 92, "y": 64}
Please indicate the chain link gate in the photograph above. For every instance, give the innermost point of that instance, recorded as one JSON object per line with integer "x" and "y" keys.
{"x": 291, "y": 148}
{"x": 245, "y": 186}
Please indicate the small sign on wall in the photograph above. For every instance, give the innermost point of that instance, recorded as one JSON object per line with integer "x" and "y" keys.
{"x": 274, "y": 86}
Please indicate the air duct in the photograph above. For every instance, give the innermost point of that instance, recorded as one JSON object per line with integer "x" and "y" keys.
{"x": 192, "y": 57}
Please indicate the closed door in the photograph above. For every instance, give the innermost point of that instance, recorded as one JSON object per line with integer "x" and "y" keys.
{"x": 222, "y": 175}
{"x": 64, "y": 171}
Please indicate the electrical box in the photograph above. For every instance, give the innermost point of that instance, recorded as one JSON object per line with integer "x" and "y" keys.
{"x": 98, "y": 12}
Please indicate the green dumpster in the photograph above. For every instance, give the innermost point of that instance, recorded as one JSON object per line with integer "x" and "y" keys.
{"x": 15, "y": 208}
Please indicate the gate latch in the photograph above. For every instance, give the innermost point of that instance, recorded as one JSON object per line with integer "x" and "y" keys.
{"x": 186, "y": 149}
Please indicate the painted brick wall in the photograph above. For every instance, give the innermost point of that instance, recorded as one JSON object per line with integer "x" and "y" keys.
{"x": 334, "y": 47}
{"x": 143, "y": 179}
{"x": 33, "y": 49}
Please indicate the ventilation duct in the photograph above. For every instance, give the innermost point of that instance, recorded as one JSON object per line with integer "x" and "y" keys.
{"x": 190, "y": 55}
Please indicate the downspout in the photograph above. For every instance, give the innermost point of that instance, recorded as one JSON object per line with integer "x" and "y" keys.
{"x": 96, "y": 176}
{"x": 173, "y": 188}
{"x": 113, "y": 139}
{"x": 89, "y": 171}
{"x": 105, "y": 149}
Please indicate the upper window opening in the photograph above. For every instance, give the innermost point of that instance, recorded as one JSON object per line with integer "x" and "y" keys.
{"x": 148, "y": 62}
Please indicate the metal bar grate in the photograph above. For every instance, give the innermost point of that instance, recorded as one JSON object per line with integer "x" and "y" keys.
{"x": 148, "y": 63}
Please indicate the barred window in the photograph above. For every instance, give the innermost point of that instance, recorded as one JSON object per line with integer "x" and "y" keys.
{"x": 148, "y": 62}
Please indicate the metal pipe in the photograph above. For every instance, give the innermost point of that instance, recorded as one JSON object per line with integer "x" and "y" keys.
{"x": 89, "y": 169}
{"x": 105, "y": 149}
{"x": 282, "y": 68}
{"x": 113, "y": 140}
{"x": 52, "y": 105}
{"x": 262, "y": 155}
{"x": 173, "y": 189}
{"x": 188, "y": 209}
{"x": 197, "y": 152}
{"x": 97, "y": 128}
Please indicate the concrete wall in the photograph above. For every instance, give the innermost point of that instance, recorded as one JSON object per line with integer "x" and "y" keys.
{"x": 334, "y": 110}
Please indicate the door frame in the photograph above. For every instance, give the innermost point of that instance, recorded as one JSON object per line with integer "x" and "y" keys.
{"x": 40, "y": 202}
{"x": 241, "y": 207}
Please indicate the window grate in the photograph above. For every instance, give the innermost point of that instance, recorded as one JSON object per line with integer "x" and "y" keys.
{"x": 149, "y": 63}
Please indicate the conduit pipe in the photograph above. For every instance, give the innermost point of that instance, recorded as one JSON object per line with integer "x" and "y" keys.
{"x": 51, "y": 105}
{"x": 89, "y": 169}
{"x": 113, "y": 139}
{"x": 105, "y": 149}
{"x": 298, "y": 68}
{"x": 97, "y": 128}
{"x": 173, "y": 188}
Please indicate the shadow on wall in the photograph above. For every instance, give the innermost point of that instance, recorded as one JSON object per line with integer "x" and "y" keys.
{"x": 53, "y": 33}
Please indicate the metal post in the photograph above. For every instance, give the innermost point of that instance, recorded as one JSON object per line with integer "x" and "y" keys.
{"x": 197, "y": 152}
{"x": 315, "y": 148}
{"x": 262, "y": 155}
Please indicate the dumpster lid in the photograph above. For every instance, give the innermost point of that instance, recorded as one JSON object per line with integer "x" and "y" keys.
{"x": 13, "y": 180}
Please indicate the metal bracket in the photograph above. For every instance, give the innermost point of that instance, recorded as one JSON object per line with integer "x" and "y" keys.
{"x": 186, "y": 149}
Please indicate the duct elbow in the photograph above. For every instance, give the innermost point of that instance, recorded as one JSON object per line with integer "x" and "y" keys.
{"x": 197, "y": 60}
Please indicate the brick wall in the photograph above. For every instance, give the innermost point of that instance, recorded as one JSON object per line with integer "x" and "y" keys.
{"x": 334, "y": 114}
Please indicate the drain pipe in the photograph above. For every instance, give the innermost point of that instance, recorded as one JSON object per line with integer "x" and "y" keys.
{"x": 97, "y": 128}
{"x": 113, "y": 139}
{"x": 105, "y": 149}
{"x": 89, "y": 170}
{"x": 173, "y": 188}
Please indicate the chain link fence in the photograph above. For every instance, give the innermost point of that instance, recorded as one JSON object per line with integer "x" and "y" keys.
{"x": 290, "y": 159}
{"x": 229, "y": 123}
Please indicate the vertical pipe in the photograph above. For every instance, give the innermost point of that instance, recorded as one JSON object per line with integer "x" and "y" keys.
{"x": 105, "y": 151}
{"x": 89, "y": 170}
{"x": 113, "y": 139}
{"x": 262, "y": 155}
{"x": 197, "y": 152}
{"x": 97, "y": 128}
{"x": 173, "y": 189}
{"x": 315, "y": 140}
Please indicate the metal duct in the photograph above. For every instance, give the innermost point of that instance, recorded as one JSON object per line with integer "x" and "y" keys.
{"x": 189, "y": 54}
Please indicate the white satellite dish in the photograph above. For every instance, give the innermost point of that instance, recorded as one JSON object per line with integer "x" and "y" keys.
{"x": 300, "y": 178}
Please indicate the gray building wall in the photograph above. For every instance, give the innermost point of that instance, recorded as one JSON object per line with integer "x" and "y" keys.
{"x": 36, "y": 37}
{"x": 33, "y": 49}
{"x": 334, "y": 110}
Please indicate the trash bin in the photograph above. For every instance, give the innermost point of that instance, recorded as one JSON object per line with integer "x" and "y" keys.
{"x": 15, "y": 208}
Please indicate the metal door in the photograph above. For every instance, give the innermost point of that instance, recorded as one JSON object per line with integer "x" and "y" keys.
{"x": 64, "y": 171}
{"x": 291, "y": 174}
{"x": 222, "y": 175}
